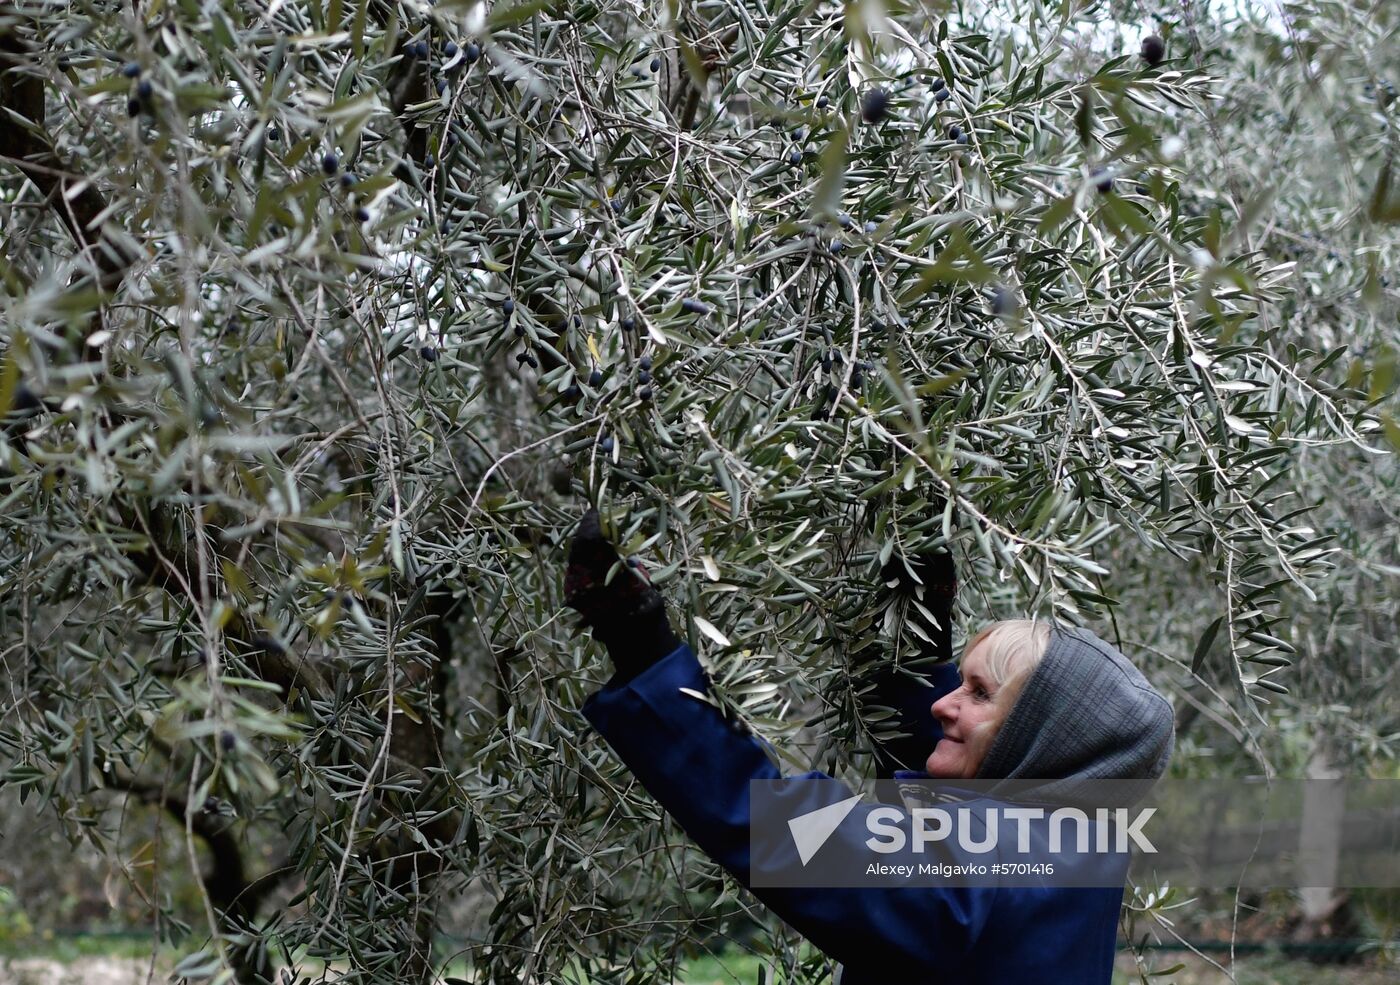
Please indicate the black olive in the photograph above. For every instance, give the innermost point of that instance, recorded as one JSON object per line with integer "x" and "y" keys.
{"x": 874, "y": 105}
{"x": 1154, "y": 49}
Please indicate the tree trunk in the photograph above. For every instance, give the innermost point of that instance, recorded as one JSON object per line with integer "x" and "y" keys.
{"x": 1326, "y": 912}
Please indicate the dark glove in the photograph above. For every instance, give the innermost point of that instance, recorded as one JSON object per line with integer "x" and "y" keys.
{"x": 627, "y": 615}
{"x": 925, "y": 585}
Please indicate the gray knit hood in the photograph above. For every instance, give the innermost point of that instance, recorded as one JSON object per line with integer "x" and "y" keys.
{"x": 1086, "y": 713}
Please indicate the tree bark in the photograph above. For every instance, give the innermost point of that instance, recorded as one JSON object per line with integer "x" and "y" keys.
{"x": 1326, "y": 910}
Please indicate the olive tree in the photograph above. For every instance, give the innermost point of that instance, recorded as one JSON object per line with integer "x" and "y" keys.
{"x": 1308, "y": 129}
{"x": 324, "y": 322}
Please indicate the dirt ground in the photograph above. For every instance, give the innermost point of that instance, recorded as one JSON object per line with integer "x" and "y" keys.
{"x": 83, "y": 971}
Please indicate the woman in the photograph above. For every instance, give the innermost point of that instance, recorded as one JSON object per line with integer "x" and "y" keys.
{"x": 1033, "y": 703}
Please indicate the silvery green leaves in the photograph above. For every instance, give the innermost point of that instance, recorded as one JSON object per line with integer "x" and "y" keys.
{"x": 251, "y": 401}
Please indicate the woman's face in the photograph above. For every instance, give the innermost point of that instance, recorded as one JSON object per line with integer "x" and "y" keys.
{"x": 970, "y": 717}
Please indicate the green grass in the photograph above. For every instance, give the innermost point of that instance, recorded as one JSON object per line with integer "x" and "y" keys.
{"x": 725, "y": 970}
{"x": 67, "y": 949}
{"x": 1255, "y": 969}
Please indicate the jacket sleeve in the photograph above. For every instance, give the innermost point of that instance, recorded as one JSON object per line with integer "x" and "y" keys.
{"x": 699, "y": 767}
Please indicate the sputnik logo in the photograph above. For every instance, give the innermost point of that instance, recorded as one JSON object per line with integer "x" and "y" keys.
{"x": 811, "y": 830}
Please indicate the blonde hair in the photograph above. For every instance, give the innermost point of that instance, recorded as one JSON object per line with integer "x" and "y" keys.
{"x": 1015, "y": 648}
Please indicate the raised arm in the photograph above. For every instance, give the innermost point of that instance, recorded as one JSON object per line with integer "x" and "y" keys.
{"x": 922, "y": 591}
{"x": 627, "y": 615}
{"x": 699, "y": 766}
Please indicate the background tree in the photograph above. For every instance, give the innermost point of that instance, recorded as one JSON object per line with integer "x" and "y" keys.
{"x": 323, "y": 323}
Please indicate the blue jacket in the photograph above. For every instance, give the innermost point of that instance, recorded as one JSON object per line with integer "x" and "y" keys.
{"x": 698, "y": 766}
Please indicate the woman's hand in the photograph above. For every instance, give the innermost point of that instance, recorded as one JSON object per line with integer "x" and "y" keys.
{"x": 627, "y": 614}
{"x": 924, "y": 586}
{"x": 930, "y": 573}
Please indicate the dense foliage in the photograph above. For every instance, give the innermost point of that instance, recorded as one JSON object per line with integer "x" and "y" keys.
{"x": 323, "y": 322}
